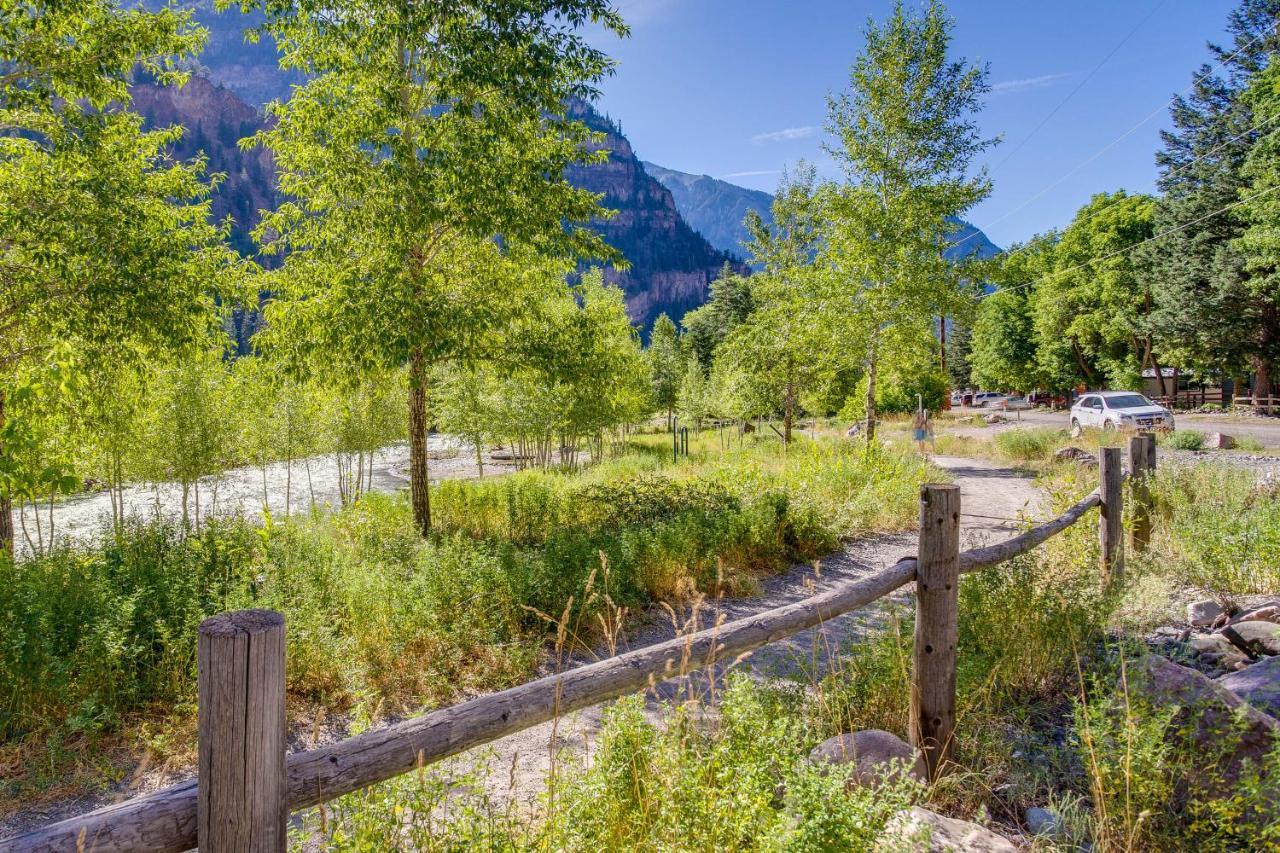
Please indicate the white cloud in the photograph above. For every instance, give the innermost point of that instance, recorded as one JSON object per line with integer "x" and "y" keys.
{"x": 755, "y": 174}
{"x": 1006, "y": 87}
{"x": 787, "y": 134}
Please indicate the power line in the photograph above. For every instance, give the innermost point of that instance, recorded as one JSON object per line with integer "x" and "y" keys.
{"x": 1113, "y": 143}
{"x": 1127, "y": 249}
{"x": 1183, "y": 168}
{"x": 1079, "y": 86}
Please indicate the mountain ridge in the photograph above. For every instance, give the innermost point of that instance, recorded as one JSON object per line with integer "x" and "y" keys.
{"x": 715, "y": 207}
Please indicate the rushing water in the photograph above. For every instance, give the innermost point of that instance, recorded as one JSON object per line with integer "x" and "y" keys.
{"x": 243, "y": 491}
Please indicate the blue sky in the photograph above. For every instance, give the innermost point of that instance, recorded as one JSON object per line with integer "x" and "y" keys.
{"x": 736, "y": 89}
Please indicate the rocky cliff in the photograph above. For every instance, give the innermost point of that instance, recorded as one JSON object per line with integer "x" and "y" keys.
{"x": 671, "y": 264}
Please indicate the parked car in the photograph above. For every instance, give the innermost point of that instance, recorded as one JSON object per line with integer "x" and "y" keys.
{"x": 988, "y": 399}
{"x": 1111, "y": 410}
{"x": 957, "y": 398}
{"x": 1011, "y": 404}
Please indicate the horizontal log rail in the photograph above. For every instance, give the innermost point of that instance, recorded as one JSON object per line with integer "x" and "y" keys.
{"x": 167, "y": 820}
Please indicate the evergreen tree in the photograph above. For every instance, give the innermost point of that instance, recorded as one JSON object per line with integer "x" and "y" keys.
{"x": 1207, "y": 313}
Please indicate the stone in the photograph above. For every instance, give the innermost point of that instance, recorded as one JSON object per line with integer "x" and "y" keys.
{"x": 1202, "y": 613}
{"x": 1075, "y": 454}
{"x": 1219, "y": 441}
{"x": 920, "y": 830}
{"x": 1259, "y": 685}
{"x": 1256, "y": 637}
{"x": 995, "y": 418}
{"x": 851, "y": 432}
{"x": 1231, "y": 736}
{"x": 1217, "y": 650}
{"x": 1041, "y": 821}
{"x": 1267, "y": 613}
{"x": 877, "y": 756}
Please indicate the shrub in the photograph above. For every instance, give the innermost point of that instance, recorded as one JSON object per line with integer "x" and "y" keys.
{"x": 1185, "y": 439}
{"x": 1028, "y": 445}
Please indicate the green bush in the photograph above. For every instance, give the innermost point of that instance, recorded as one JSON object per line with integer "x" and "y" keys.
{"x": 1029, "y": 445}
{"x": 1185, "y": 439}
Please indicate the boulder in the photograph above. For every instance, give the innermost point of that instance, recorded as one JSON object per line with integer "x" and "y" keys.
{"x": 1041, "y": 821}
{"x": 1075, "y": 454}
{"x": 877, "y": 756}
{"x": 920, "y": 830}
{"x": 1231, "y": 737}
{"x": 1202, "y": 613}
{"x": 1256, "y": 637}
{"x": 995, "y": 418}
{"x": 1259, "y": 685}
{"x": 1217, "y": 650}
{"x": 1265, "y": 613}
{"x": 1219, "y": 441}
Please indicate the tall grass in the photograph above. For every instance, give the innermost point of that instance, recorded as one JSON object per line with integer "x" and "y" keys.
{"x": 100, "y": 640}
{"x": 742, "y": 783}
{"x": 1218, "y": 528}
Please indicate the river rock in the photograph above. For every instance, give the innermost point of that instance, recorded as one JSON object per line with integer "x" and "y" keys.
{"x": 1202, "y": 613}
{"x": 1218, "y": 651}
{"x": 877, "y": 756}
{"x": 995, "y": 418}
{"x": 1230, "y": 735}
{"x": 1259, "y": 685}
{"x": 1255, "y": 637}
{"x": 920, "y": 830}
{"x": 1041, "y": 821}
{"x": 1265, "y": 613}
{"x": 1074, "y": 454}
{"x": 1219, "y": 441}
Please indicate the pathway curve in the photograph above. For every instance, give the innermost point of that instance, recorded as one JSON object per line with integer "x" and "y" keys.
{"x": 993, "y": 499}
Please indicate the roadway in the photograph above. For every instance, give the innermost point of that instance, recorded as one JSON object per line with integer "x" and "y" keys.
{"x": 1266, "y": 430}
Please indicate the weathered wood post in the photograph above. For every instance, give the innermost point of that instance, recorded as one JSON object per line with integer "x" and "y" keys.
{"x": 242, "y": 805}
{"x": 933, "y": 685}
{"x": 1142, "y": 461}
{"x": 1110, "y": 523}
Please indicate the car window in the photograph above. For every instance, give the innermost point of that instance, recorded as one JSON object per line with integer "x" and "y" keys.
{"x": 1128, "y": 401}
{"x": 1085, "y": 403}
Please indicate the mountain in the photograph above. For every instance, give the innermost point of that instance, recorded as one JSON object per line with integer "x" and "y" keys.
{"x": 716, "y": 208}
{"x": 670, "y": 263}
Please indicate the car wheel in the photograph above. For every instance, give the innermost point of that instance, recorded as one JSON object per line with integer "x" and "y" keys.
{"x": 1075, "y": 428}
{"x": 1108, "y": 426}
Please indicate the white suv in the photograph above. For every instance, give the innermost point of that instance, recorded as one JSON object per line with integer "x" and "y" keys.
{"x": 1119, "y": 410}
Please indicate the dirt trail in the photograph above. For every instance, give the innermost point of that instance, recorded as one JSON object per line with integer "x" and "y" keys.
{"x": 993, "y": 499}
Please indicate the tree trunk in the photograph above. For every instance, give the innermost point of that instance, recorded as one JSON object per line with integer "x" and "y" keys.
{"x": 1155, "y": 362}
{"x": 872, "y": 357}
{"x": 6, "y": 503}
{"x": 1261, "y": 378}
{"x": 418, "y": 474}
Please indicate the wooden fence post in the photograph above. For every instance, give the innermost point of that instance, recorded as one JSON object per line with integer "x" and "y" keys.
{"x": 1142, "y": 462}
{"x": 933, "y": 685}
{"x": 242, "y": 793}
{"x": 1110, "y": 522}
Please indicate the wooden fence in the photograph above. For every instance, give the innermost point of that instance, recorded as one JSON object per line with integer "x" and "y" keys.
{"x": 1262, "y": 405}
{"x": 247, "y": 786}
